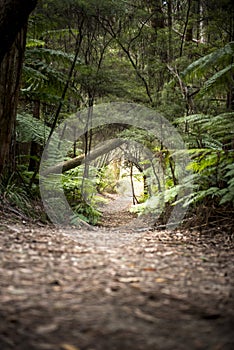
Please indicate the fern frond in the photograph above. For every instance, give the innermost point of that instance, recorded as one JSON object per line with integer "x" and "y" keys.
{"x": 212, "y": 143}
{"x": 50, "y": 55}
{"x": 45, "y": 73}
{"x": 216, "y": 81}
{"x": 31, "y": 129}
{"x": 197, "y": 68}
{"x": 33, "y": 74}
{"x": 193, "y": 118}
{"x": 216, "y": 130}
{"x": 34, "y": 43}
{"x": 60, "y": 33}
{"x": 41, "y": 79}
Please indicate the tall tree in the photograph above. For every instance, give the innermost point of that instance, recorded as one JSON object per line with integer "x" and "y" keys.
{"x": 13, "y": 26}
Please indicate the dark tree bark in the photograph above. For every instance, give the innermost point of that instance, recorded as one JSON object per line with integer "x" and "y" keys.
{"x": 13, "y": 26}
{"x": 10, "y": 70}
{"x": 187, "y": 34}
{"x": 13, "y": 17}
{"x": 35, "y": 149}
{"x": 169, "y": 21}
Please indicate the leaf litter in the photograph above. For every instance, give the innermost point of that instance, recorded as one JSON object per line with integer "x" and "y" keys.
{"x": 125, "y": 286}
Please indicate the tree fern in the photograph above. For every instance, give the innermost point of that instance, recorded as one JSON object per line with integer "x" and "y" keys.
{"x": 212, "y": 72}
{"x": 221, "y": 56}
{"x": 45, "y": 73}
{"x": 217, "y": 80}
{"x": 49, "y": 55}
{"x": 30, "y": 129}
{"x": 213, "y": 162}
{"x": 214, "y": 130}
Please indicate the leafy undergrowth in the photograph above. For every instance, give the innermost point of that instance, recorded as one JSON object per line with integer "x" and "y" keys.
{"x": 210, "y": 217}
{"x": 12, "y": 213}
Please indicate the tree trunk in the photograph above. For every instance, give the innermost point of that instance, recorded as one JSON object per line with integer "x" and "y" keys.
{"x": 35, "y": 149}
{"x": 156, "y": 47}
{"x": 13, "y": 17}
{"x": 201, "y": 23}
{"x": 73, "y": 163}
{"x": 134, "y": 198}
{"x": 10, "y": 71}
{"x": 169, "y": 23}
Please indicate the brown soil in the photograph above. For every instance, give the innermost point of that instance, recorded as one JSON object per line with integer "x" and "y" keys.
{"x": 121, "y": 286}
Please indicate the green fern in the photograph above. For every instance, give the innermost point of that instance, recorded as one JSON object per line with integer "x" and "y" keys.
{"x": 58, "y": 57}
{"x": 72, "y": 182}
{"x": 218, "y": 57}
{"x": 217, "y": 66}
{"x": 59, "y": 33}
{"x": 34, "y": 43}
{"x": 217, "y": 80}
{"x": 31, "y": 129}
{"x": 45, "y": 73}
{"x": 215, "y": 131}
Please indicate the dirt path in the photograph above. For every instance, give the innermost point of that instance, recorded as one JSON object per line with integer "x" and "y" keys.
{"x": 114, "y": 288}
{"x": 116, "y": 213}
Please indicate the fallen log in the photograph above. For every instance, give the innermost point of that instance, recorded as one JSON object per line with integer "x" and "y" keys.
{"x": 77, "y": 161}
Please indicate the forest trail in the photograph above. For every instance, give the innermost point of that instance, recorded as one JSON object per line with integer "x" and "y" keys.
{"x": 116, "y": 211}
{"x": 113, "y": 288}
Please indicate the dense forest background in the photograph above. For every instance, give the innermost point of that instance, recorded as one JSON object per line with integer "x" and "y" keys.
{"x": 173, "y": 56}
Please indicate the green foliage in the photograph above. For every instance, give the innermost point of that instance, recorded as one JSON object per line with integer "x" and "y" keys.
{"x": 125, "y": 54}
{"x": 16, "y": 194}
{"x": 141, "y": 136}
{"x": 31, "y": 129}
{"x": 85, "y": 212}
{"x": 120, "y": 80}
{"x": 218, "y": 57}
{"x": 51, "y": 57}
{"x": 211, "y": 131}
{"x": 45, "y": 73}
{"x": 34, "y": 43}
{"x": 30, "y": 180}
{"x": 211, "y": 167}
{"x": 228, "y": 193}
{"x": 213, "y": 162}
{"x": 218, "y": 80}
{"x": 106, "y": 180}
{"x": 217, "y": 66}
{"x": 82, "y": 202}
